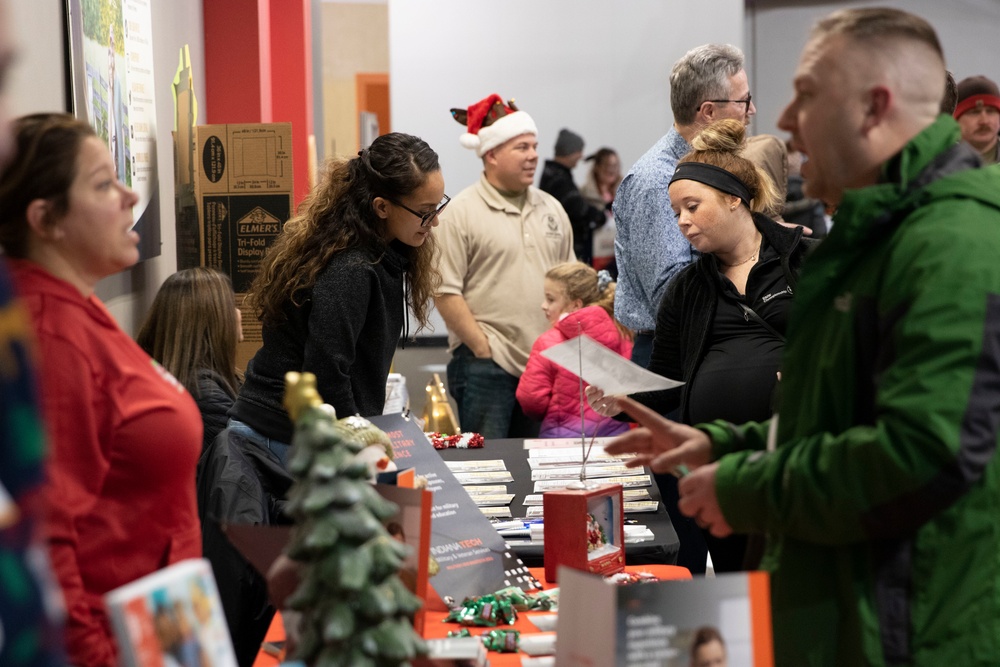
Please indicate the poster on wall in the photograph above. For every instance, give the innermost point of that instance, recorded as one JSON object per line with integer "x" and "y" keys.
{"x": 111, "y": 78}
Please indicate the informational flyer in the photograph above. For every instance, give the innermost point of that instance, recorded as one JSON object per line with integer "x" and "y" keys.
{"x": 113, "y": 89}
{"x": 473, "y": 558}
{"x": 598, "y": 366}
{"x": 659, "y": 624}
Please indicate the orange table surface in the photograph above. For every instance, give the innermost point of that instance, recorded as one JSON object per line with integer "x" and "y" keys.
{"x": 435, "y": 627}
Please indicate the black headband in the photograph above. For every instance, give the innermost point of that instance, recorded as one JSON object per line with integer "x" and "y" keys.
{"x": 713, "y": 176}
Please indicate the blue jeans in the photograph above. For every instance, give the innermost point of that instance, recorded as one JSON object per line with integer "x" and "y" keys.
{"x": 275, "y": 448}
{"x": 486, "y": 396}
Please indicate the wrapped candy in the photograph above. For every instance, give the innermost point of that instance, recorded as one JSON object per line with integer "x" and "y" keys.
{"x": 522, "y": 601}
{"x": 488, "y": 610}
{"x": 623, "y": 578}
{"x": 502, "y": 641}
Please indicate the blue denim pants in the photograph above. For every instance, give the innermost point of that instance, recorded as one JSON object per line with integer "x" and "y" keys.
{"x": 278, "y": 450}
{"x": 486, "y": 396}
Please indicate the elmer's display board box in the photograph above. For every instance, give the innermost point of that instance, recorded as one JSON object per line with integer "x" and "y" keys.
{"x": 171, "y": 617}
{"x": 234, "y": 194}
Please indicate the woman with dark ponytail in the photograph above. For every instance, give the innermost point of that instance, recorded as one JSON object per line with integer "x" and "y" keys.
{"x": 333, "y": 291}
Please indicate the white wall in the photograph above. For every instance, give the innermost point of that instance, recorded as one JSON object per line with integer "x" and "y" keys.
{"x": 598, "y": 67}
{"x": 176, "y": 23}
{"x": 778, "y": 29}
{"x": 37, "y": 80}
{"x": 38, "y": 84}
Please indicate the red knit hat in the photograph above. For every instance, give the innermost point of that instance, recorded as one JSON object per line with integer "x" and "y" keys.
{"x": 975, "y": 92}
{"x": 490, "y": 123}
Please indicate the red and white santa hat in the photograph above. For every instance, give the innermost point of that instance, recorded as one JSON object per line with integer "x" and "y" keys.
{"x": 490, "y": 122}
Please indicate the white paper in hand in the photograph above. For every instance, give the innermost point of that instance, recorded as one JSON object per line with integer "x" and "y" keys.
{"x": 608, "y": 371}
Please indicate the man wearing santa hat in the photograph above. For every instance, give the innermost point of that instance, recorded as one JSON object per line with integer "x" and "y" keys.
{"x": 497, "y": 239}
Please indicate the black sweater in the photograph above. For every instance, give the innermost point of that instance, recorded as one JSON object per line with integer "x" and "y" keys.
{"x": 345, "y": 332}
{"x": 214, "y": 399}
{"x": 685, "y": 316}
{"x": 557, "y": 180}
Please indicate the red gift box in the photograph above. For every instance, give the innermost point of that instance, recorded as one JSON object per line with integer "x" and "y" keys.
{"x": 584, "y": 530}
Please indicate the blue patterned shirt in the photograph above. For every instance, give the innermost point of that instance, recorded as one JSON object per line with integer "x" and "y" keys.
{"x": 649, "y": 247}
{"x": 30, "y": 633}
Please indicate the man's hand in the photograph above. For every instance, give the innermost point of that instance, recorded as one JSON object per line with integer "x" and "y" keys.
{"x": 698, "y": 500}
{"x": 460, "y": 321}
{"x": 482, "y": 349}
{"x": 661, "y": 444}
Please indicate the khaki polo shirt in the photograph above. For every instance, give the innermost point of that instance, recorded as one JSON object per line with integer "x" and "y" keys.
{"x": 496, "y": 257}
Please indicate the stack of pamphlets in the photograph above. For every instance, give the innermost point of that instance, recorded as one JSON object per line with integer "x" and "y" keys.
{"x": 555, "y": 463}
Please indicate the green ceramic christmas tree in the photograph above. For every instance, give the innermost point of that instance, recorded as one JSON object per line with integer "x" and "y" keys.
{"x": 355, "y": 610}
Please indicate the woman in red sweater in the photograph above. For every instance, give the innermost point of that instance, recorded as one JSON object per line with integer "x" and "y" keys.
{"x": 124, "y": 434}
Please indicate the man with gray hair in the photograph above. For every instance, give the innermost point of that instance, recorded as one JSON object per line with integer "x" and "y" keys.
{"x": 706, "y": 85}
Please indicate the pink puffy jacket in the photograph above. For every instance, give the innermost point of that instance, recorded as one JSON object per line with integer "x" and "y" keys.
{"x": 552, "y": 394}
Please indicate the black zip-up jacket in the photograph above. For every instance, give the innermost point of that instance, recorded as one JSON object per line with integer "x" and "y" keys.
{"x": 684, "y": 318}
{"x": 557, "y": 180}
{"x": 214, "y": 399}
{"x": 238, "y": 483}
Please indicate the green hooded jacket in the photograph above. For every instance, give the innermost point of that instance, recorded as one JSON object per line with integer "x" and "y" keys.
{"x": 881, "y": 500}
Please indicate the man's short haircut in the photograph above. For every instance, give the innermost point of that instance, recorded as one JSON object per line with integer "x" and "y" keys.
{"x": 868, "y": 24}
{"x": 950, "y": 98}
{"x": 703, "y": 73}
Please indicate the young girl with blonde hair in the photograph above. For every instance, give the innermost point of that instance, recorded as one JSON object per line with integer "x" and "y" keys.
{"x": 578, "y": 300}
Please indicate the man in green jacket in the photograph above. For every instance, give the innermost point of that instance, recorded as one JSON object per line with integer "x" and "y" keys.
{"x": 878, "y": 488}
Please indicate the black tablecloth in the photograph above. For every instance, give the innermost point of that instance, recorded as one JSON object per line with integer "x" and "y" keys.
{"x": 661, "y": 550}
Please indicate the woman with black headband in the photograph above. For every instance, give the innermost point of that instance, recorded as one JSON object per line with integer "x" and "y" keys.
{"x": 720, "y": 327}
{"x": 332, "y": 292}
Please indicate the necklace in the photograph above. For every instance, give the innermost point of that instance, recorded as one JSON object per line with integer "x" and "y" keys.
{"x": 748, "y": 259}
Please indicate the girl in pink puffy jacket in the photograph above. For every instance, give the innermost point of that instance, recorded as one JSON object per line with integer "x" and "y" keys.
{"x": 578, "y": 300}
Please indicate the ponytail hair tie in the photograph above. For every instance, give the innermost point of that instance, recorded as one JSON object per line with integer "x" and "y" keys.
{"x": 603, "y": 280}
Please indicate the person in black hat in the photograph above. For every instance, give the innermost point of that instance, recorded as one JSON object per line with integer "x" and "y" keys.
{"x": 978, "y": 114}
{"x": 557, "y": 180}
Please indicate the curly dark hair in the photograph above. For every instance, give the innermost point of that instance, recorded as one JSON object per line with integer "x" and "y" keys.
{"x": 337, "y": 215}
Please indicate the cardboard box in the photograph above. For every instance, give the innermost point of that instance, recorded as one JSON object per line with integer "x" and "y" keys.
{"x": 234, "y": 195}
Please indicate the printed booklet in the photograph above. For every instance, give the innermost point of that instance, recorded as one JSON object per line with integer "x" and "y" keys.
{"x": 171, "y": 618}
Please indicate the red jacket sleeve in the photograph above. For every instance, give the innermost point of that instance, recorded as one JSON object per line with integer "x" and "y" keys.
{"x": 79, "y": 419}
{"x": 534, "y": 389}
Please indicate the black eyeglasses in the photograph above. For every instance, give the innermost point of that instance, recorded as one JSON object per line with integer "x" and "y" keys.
{"x": 425, "y": 218}
{"x": 746, "y": 102}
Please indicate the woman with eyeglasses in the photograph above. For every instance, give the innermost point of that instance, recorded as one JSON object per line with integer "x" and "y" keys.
{"x": 333, "y": 291}
{"x": 124, "y": 436}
